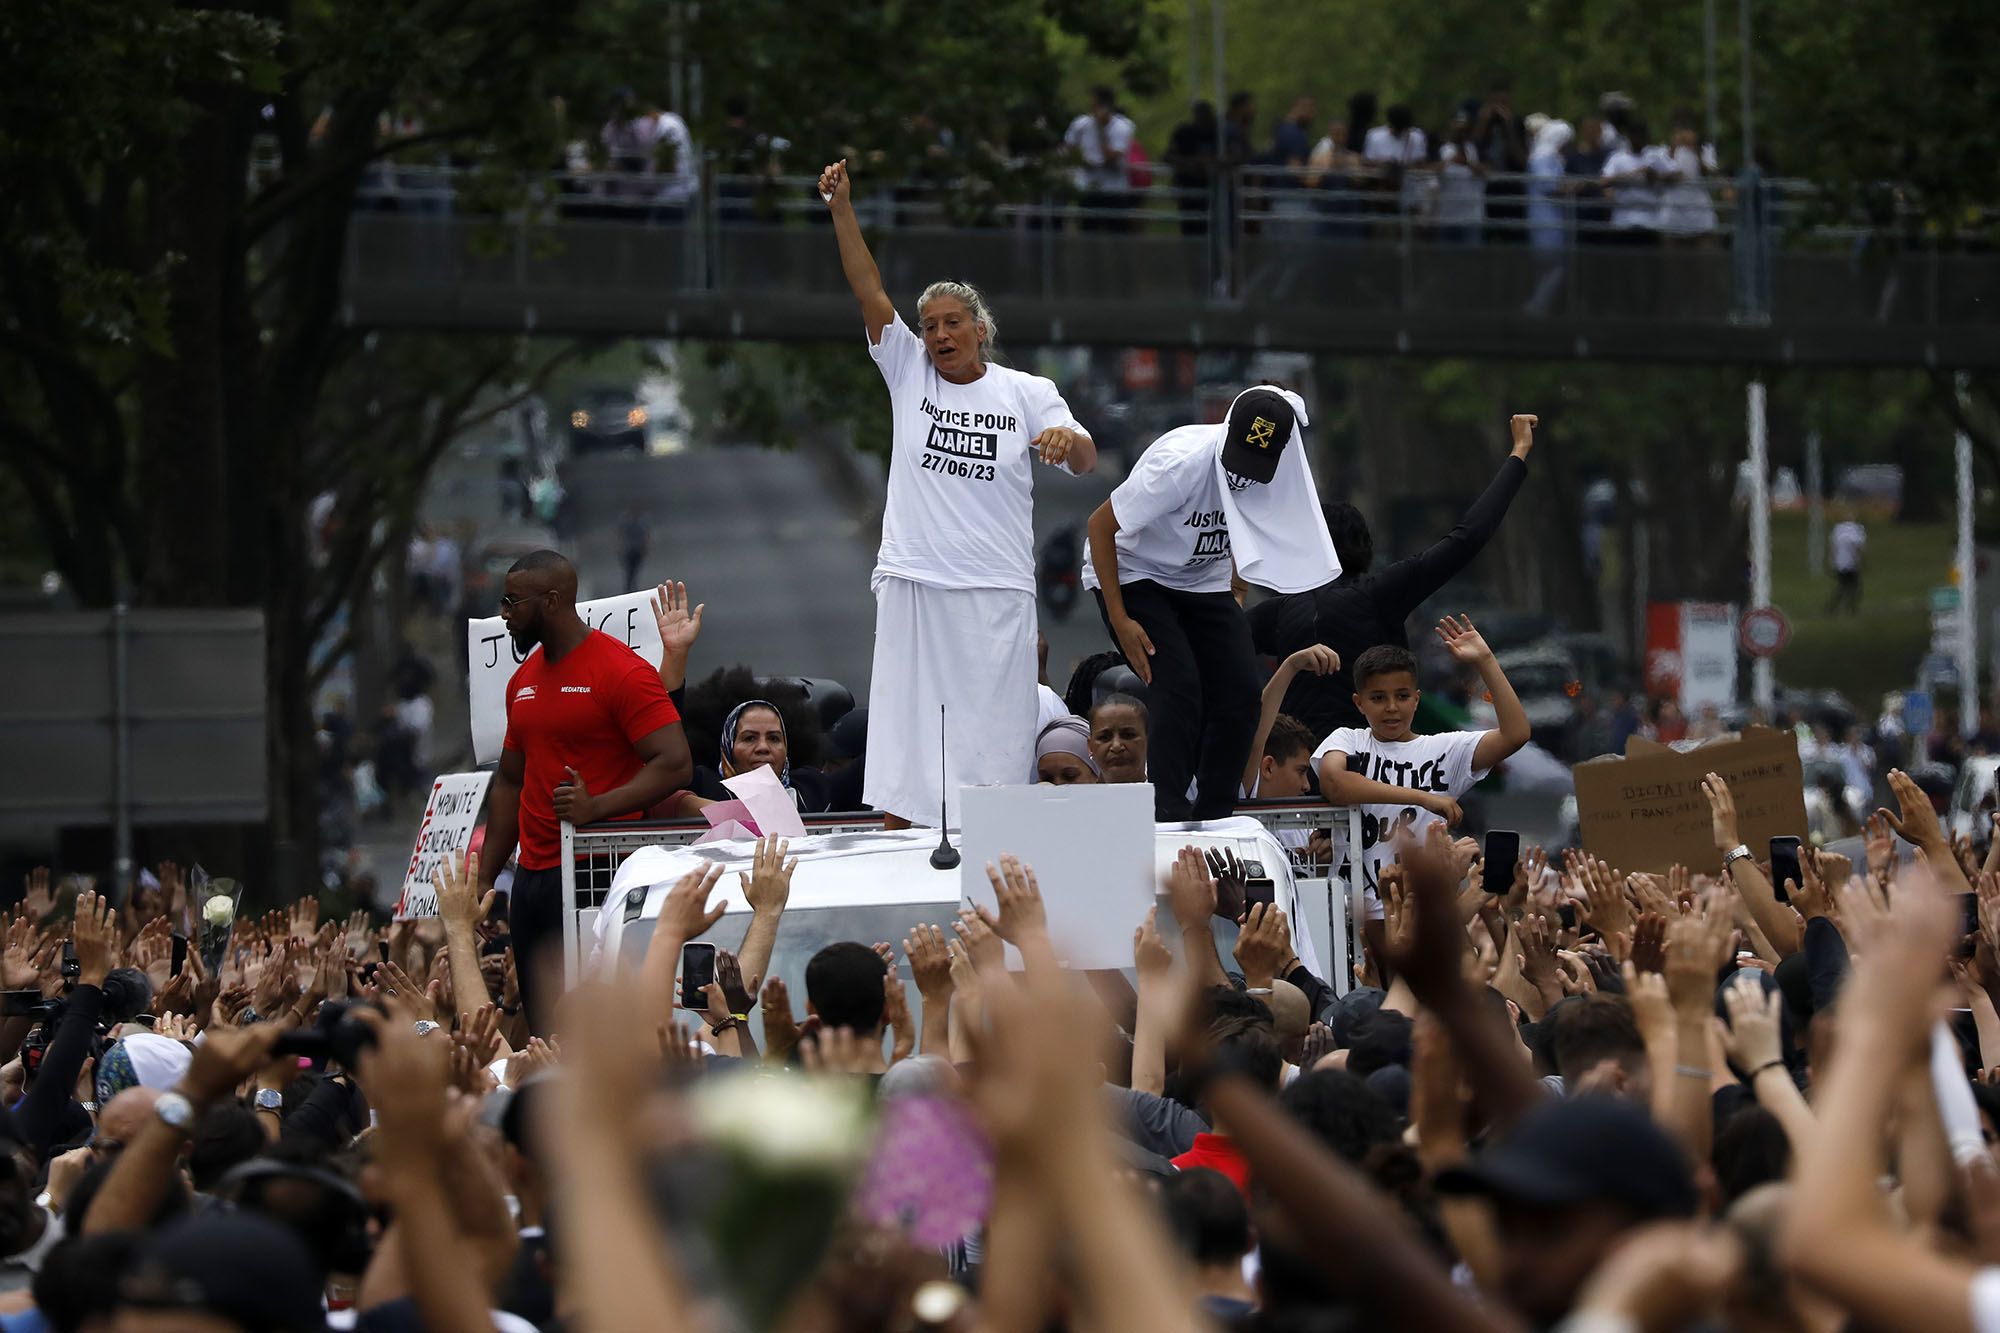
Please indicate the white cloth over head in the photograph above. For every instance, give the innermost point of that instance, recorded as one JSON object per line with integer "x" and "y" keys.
{"x": 1277, "y": 532}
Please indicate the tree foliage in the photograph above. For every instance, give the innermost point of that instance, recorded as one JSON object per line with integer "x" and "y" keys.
{"x": 177, "y": 380}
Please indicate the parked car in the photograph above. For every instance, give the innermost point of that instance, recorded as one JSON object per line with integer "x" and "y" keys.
{"x": 487, "y": 563}
{"x": 608, "y": 417}
{"x": 1551, "y": 675}
{"x": 1878, "y": 485}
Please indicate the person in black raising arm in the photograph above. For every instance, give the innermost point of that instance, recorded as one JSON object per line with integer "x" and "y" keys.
{"x": 1365, "y": 607}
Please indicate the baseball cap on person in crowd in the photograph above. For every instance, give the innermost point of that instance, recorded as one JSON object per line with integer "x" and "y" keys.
{"x": 1352, "y": 1010}
{"x": 1260, "y": 425}
{"x": 1583, "y": 1150}
{"x": 1379, "y": 1040}
{"x": 237, "y": 1267}
{"x": 1567, "y": 1182}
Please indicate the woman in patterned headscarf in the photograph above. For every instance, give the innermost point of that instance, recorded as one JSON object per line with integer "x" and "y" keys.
{"x": 753, "y": 737}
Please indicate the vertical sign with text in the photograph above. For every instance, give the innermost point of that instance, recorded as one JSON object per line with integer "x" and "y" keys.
{"x": 450, "y": 817}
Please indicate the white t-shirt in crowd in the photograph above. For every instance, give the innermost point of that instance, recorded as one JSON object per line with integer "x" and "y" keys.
{"x": 960, "y": 510}
{"x": 1441, "y": 763}
{"x": 1103, "y": 150}
{"x": 1635, "y": 204}
{"x": 415, "y": 716}
{"x": 1686, "y": 207}
{"x": 1171, "y": 525}
{"x": 1461, "y": 197}
{"x": 1052, "y": 707}
{"x": 674, "y": 149}
{"x": 1849, "y": 538}
{"x": 1383, "y": 145}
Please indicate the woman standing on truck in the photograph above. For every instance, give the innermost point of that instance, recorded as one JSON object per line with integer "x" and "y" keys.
{"x": 954, "y": 580}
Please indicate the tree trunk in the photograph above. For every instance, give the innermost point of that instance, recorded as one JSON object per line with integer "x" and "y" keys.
{"x": 183, "y": 434}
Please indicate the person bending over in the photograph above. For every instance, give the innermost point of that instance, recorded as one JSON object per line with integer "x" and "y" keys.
{"x": 1203, "y": 503}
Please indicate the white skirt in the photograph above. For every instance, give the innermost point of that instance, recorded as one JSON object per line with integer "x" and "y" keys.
{"x": 971, "y": 650}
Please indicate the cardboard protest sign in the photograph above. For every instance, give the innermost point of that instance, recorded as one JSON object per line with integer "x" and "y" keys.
{"x": 450, "y": 816}
{"x": 1646, "y": 811}
{"x": 491, "y": 659}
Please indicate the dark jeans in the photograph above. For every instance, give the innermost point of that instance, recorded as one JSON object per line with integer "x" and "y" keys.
{"x": 534, "y": 917}
{"x": 1203, "y": 703}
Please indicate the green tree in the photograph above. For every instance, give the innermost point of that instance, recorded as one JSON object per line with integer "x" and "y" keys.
{"x": 177, "y": 381}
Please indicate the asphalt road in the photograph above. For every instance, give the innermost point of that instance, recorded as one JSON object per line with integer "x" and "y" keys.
{"x": 761, "y": 536}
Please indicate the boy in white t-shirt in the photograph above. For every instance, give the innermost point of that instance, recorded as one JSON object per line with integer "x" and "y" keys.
{"x": 1403, "y": 781}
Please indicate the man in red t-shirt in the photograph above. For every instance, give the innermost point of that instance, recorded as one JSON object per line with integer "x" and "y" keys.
{"x": 591, "y": 736}
{"x": 1249, "y": 1046}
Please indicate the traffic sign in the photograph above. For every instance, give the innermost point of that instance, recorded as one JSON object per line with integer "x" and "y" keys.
{"x": 1763, "y": 631}
{"x": 1917, "y": 712}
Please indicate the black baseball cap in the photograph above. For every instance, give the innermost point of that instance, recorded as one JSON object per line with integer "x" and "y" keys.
{"x": 1583, "y": 1150}
{"x": 235, "y": 1265}
{"x": 1260, "y": 425}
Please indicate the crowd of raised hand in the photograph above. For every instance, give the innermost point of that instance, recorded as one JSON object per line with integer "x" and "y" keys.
{"x": 1644, "y": 1101}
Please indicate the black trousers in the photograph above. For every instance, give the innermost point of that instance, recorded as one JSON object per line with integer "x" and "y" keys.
{"x": 1203, "y": 703}
{"x": 534, "y": 918}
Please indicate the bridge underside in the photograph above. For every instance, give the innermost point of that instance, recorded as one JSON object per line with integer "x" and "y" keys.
{"x": 1297, "y": 290}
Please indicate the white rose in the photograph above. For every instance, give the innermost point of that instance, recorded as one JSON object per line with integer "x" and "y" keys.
{"x": 787, "y": 1123}
{"x": 218, "y": 910}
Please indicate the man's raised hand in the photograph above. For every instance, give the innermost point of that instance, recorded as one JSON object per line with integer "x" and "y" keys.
{"x": 686, "y": 915}
{"x": 1917, "y": 821}
{"x": 679, "y": 628}
{"x": 768, "y": 885}
{"x": 1022, "y": 917}
{"x": 459, "y": 903}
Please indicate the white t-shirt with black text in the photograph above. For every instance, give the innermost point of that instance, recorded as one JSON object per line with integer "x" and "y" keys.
{"x": 1171, "y": 525}
{"x": 1440, "y": 764}
{"x": 960, "y": 510}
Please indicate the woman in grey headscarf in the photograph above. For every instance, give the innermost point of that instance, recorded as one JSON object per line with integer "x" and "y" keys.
{"x": 1062, "y": 753}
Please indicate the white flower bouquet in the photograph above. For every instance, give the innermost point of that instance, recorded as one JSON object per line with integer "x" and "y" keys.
{"x": 790, "y": 1147}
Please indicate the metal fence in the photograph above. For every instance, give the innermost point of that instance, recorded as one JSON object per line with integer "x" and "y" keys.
{"x": 1357, "y": 269}
{"x": 1225, "y": 230}
{"x": 592, "y": 856}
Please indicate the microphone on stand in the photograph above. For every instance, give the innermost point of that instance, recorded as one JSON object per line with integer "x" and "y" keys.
{"x": 945, "y": 857}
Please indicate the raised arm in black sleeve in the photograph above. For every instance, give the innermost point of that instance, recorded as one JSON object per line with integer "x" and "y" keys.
{"x": 331, "y": 1114}
{"x": 1399, "y": 588}
{"x": 43, "y": 1113}
{"x": 1270, "y": 630}
{"x": 1319, "y": 995}
{"x": 1826, "y": 961}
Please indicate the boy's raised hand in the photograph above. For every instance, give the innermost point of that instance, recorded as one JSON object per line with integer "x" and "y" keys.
{"x": 1463, "y": 641}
